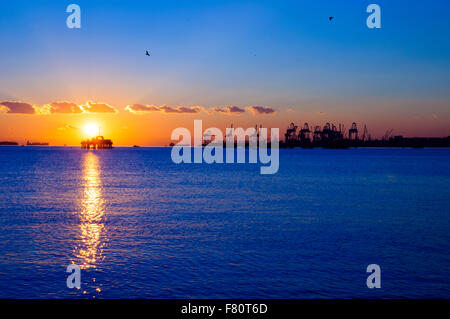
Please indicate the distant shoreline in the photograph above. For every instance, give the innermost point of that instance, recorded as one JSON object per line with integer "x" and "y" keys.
{"x": 290, "y": 148}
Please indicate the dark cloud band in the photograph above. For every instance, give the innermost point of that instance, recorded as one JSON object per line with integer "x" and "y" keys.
{"x": 16, "y": 107}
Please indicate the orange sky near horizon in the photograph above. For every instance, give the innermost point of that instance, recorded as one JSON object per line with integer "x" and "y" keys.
{"x": 154, "y": 128}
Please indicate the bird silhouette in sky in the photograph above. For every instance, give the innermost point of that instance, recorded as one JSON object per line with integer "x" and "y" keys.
{"x": 147, "y": 54}
{"x": 330, "y": 18}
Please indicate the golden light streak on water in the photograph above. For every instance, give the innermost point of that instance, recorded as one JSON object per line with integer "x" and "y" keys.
{"x": 92, "y": 229}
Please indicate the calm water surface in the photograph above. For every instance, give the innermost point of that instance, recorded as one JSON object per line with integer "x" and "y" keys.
{"x": 142, "y": 227}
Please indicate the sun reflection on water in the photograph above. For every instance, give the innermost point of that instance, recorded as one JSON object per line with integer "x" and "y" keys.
{"x": 92, "y": 229}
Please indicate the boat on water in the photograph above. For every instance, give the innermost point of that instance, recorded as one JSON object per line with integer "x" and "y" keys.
{"x": 36, "y": 144}
{"x": 9, "y": 143}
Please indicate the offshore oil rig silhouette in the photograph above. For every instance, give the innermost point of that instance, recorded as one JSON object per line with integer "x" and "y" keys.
{"x": 98, "y": 142}
{"x": 332, "y": 136}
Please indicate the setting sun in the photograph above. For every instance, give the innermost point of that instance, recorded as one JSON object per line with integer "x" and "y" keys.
{"x": 91, "y": 129}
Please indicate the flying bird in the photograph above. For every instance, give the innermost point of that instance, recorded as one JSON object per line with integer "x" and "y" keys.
{"x": 330, "y": 18}
{"x": 146, "y": 53}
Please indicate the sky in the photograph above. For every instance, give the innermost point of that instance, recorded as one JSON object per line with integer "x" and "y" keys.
{"x": 241, "y": 62}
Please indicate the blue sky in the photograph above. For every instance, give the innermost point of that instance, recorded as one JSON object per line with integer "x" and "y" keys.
{"x": 285, "y": 54}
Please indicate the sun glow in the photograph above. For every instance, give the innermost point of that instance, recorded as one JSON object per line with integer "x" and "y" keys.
{"x": 91, "y": 129}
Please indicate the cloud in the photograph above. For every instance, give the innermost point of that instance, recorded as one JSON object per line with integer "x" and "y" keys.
{"x": 181, "y": 109}
{"x": 93, "y": 107}
{"x": 232, "y": 110}
{"x": 201, "y": 108}
{"x": 261, "y": 110}
{"x": 139, "y": 109}
{"x": 16, "y": 107}
{"x": 64, "y": 107}
{"x": 67, "y": 127}
{"x": 60, "y": 107}
{"x": 67, "y": 107}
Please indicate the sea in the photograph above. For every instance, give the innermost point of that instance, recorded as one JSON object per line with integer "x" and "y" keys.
{"x": 140, "y": 226}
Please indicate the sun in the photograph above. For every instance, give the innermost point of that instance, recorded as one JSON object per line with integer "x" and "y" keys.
{"x": 91, "y": 129}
